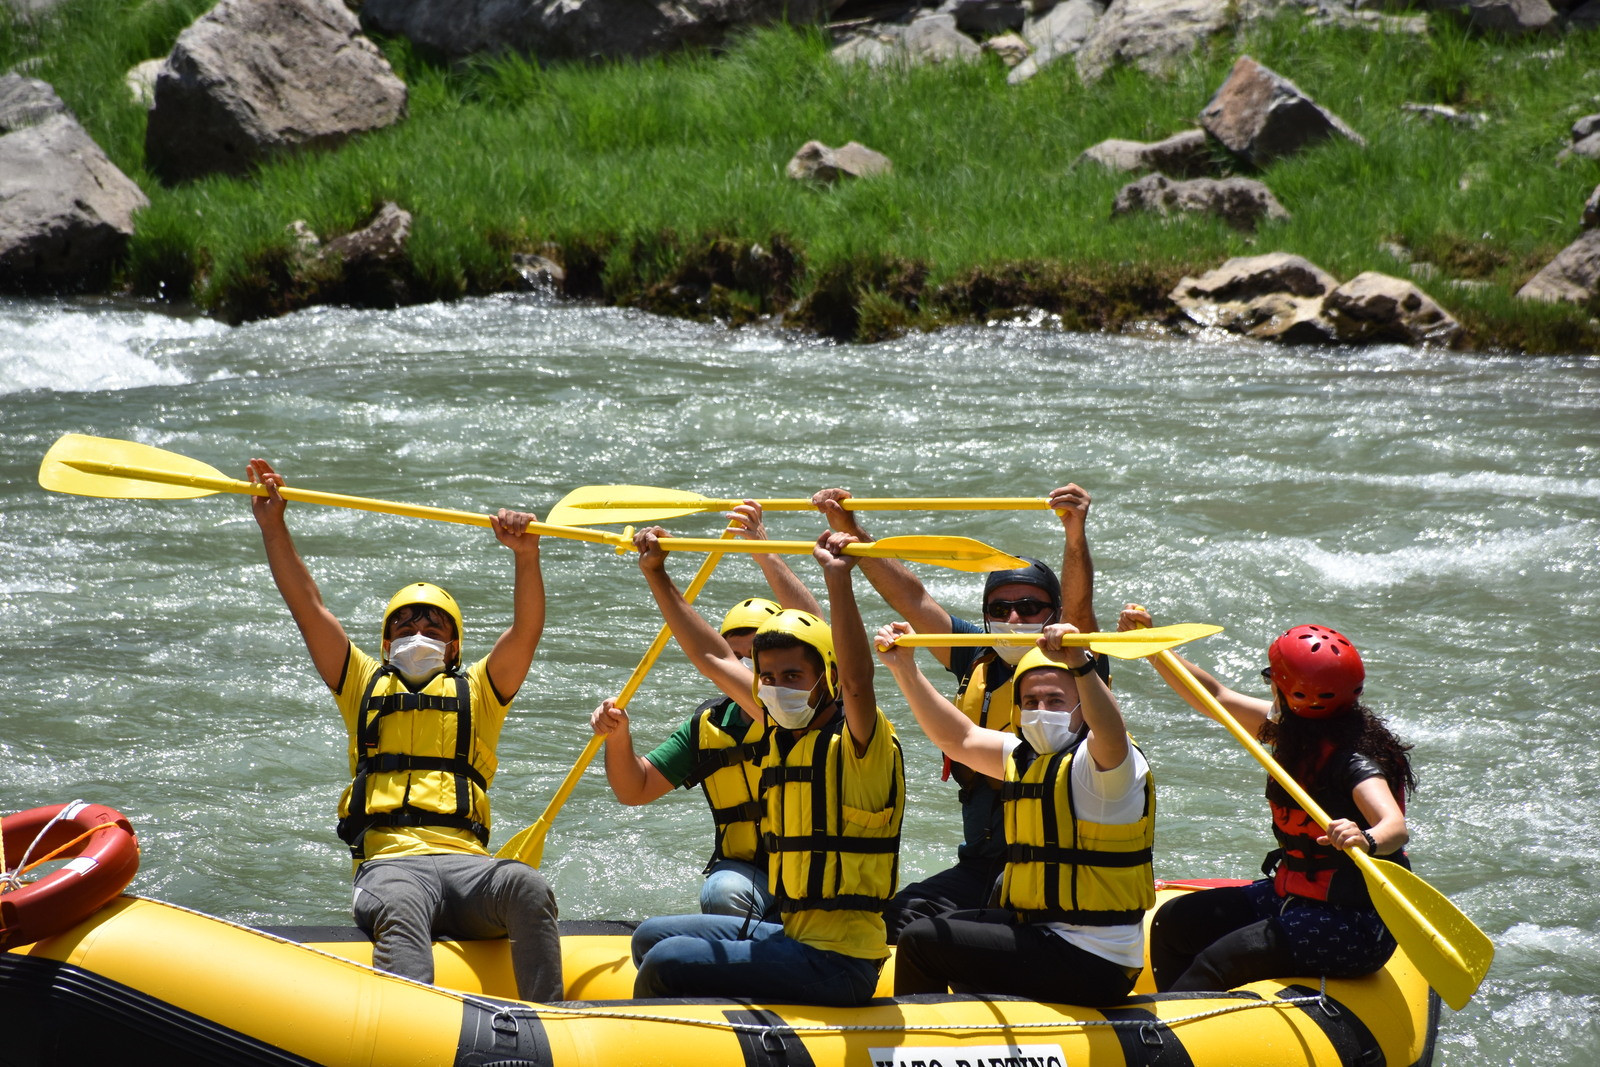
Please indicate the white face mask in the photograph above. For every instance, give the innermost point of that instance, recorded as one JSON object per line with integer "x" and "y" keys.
{"x": 1013, "y": 654}
{"x": 1047, "y": 731}
{"x": 747, "y": 663}
{"x": 789, "y": 708}
{"x": 416, "y": 657}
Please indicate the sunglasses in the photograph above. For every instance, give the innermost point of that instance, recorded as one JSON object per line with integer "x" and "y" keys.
{"x": 1002, "y": 609}
{"x": 1266, "y": 675}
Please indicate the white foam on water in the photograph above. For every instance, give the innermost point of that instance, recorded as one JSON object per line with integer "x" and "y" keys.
{"x": 61, "y": 348}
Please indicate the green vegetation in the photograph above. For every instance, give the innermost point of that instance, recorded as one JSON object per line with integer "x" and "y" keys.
{"x": 657, "y": 179}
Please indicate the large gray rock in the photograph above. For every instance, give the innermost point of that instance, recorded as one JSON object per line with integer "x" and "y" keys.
{"x": 1153, "y": 35}
{"x": 27, "y": 102}
{"x": 1240, "y": 202}
{"x": 1512, "y": 18}
{"x": 66, "y": 211}
{"x": 927, "y": 39}
{"x": 1259, "y": 116}
{"x": 1572, "y": 277}
{"x": 579, "y": 29}
{"x": 1056, "y": 34}
{"x": 817, "y": 162}
{"x": 1273, "y": 297}
{"x": 1183, "y": 155}
{"x": 1374, "y": 308}
{"x": 253, "y": 79}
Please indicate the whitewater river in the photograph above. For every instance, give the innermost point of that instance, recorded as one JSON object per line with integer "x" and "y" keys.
{"x": 1443, "y": 510}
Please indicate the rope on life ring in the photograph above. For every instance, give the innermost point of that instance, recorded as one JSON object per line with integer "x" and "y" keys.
{"x": 102, "y": 854}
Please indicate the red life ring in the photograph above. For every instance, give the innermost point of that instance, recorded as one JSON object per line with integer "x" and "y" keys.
{"x": 98, "y": 868}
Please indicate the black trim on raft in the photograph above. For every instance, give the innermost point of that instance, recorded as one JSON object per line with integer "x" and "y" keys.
{"x": 1352, "y": 1041}
{"x": 53, "y": 1013}
{"x": 1434, "y": 1003}
{"x": 777, "y": 1046}
{"x": 491, "y": 1037}
{"x": 1154, "y": 1045}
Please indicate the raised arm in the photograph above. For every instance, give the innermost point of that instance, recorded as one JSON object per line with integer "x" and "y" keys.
{"x": 1107, "y": 740}
{"x": 1252, "y": 713}
{"x": 512, "y": 654}
{"x": 700, "y": 641}
{"x": 849, "y": 639}
{"x": 1071, "y": 505}
{"x": 787, "y": 588}
{"x": 902, "y": 590}
{"x": 951, "y": 731}
{"x": 634, "y": 779}
{"x": 324, "y": 636}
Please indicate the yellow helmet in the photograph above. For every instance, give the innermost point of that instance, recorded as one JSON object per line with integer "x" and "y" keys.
{"x": 422, "y": 593}
{"x": 808, "y": 630}
{"x": 1032, "y": 660}
{"x": 749, "y": 614}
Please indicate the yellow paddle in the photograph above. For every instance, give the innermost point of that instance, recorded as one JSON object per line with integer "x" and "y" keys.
{"x": 1128, "y": 644}
{"x": 1451, "y": 952}
{"x": 528, "y": 844}
{"x": 106, "y": 467}
{"x": 604, "y": 505}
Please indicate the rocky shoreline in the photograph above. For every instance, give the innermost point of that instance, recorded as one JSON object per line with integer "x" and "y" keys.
{"x": 256, "y": 80}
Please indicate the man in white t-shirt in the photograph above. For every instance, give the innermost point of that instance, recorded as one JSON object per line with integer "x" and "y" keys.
{"x": 1080, "y": 822}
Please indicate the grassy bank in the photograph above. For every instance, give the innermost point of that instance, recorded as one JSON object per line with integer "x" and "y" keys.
{"x": 655, "y": 179}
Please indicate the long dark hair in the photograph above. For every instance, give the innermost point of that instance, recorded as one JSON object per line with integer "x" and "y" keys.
{"x": 1301, "y": 745}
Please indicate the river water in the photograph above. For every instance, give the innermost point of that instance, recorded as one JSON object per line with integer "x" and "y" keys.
{"x": 1442, "y": 510}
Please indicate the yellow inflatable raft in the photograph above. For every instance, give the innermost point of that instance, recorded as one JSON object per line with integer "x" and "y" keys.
{"x": 144, "y": 981}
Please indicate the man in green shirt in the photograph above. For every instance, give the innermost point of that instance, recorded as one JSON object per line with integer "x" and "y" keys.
{"x": 719, "y": 746}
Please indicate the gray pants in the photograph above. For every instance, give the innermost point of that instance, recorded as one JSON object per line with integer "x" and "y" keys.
{"x": 405, "y": 903}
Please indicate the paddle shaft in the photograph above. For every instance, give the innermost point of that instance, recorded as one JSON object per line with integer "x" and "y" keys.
{"x": 937, "y": 549}
{"x": 1376, "y": 880}
{"x": 907, "y": 503}
{"x": 1078, "y": 640}
{"x": 529, "y": 844}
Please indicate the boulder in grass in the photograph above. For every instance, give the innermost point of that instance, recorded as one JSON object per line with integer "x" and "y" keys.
{"x": 252, "y": 79}
{"x": 1272, "y": 297}
{"x": 1154, "y": 35}
{"x": 1512, "y": 18}
{"x": 1573, "y": 277}
{"x": 580, "y": 29}
{"x": 817, "y": 162}
{"x": 1183, "y": 155}
{"x": 1377, "y": 308}
{"x": 27, "y": 102}
{"x": 66, "y": 211}
{"x": 1240, "y": 202}
{"x": 1259, "y": 115}
{"x": 1055, "y": 34}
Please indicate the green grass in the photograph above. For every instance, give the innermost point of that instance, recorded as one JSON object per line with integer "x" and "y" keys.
{"x": 655, "y": 178}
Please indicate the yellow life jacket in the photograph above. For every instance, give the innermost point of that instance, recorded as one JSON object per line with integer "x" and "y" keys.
{"x": 727, "y": 768}
{"x": 1060, "y": 868}
{"x": 831, "y": 866}
{"x": 418, "y": 761}
{"x": 992, "y": 710}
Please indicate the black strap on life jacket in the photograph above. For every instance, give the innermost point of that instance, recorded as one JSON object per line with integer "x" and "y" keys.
{"x": 820, "y": 842}
{"x": 1054, "y": 857}
{"x": 706, "y": 762}
{"x": 352, "y": 829}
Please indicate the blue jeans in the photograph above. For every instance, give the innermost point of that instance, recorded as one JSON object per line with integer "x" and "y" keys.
{"x": 734, "y": 887}
{"x": 725, "y": 956}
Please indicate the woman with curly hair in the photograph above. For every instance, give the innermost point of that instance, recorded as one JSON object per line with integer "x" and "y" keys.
{"x": 1311, "y": 915}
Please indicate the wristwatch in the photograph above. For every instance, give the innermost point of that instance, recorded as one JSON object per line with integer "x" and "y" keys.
{"x": 1083, "y": 668}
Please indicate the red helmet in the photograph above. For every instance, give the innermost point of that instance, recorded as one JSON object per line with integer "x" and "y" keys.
{"x": 1317, "y": 670}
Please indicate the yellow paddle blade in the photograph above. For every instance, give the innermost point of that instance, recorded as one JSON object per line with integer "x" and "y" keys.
{"x": 1129, "y": 644}
{"x": 1447, "y": 947}
{"x": 57, "y": 474}
{"x": 603, "y": 505}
